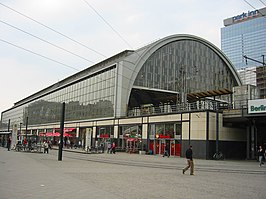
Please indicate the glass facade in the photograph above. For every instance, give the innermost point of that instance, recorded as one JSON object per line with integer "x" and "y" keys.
{"x": 185, "y": 64}
{"x": 182, "y": 66}
{"x": 89, "y": 98}
{"x": 244, "y": 38}
{"x": 130, "y": 131}
{"x": 165, "y": 130}
{"x": 130, "y": 138}
{"x": 105, "y": 132}
{"x": 98, "y": 99}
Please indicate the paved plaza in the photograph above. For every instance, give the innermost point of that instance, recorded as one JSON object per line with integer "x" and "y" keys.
{"x": 37, "y": 175}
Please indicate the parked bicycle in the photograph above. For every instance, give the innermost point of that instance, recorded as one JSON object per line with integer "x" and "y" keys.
{"x": 18, "y": 147}
{"x": 218, "y": 156}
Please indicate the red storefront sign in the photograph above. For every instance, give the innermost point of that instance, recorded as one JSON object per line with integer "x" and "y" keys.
{"x": 164, "y": 136}
{"x": 104, "y": 135}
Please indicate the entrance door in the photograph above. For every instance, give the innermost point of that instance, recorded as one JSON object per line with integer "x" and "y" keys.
{"x": 160, "y": 146}
{"x": 157, "y": 147}
{"x": 176, "y": 146}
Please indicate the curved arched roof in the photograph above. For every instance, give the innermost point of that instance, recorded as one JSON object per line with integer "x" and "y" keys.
{"x": 142, "y": 55}
{"x": 149, "y": 49}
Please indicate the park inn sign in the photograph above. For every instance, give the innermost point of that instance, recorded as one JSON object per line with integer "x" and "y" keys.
{"x": 257, "y": 106}
{"x": 246, "y": 15}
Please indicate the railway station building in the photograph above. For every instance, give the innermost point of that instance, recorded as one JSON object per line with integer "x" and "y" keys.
{"x": 180, "y": 90}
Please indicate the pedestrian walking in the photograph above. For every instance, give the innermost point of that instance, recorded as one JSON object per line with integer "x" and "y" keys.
{"x": 24, "y": 144}
{"x": 113, "y": 148}
{"x": 260, "y": 154}
{"x": 8, "y": 143}
{"x": 109, "y": 147}
{"x": 46, "y": 147}
{"x": 190, "y": 163}
{"x": 30, "y": 145}
{"x": 166, "y": 150}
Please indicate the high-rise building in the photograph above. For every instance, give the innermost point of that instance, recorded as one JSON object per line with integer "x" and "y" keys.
{"x": 243, "y": 40}
{"x": 245, "y": 35}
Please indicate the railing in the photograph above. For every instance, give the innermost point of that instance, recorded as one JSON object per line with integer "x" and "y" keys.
{"x": 195, "y": 106}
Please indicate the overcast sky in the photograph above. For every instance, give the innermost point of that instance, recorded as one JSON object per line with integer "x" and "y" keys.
{"x": 34, "y": 54}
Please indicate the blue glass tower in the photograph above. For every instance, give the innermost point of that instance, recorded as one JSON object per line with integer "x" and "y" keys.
{"x": 245, "y": 35}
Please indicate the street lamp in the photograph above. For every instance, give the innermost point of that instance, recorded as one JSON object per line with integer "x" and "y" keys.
{"x": 20, "y": 130}
{"x": 155, "y": 144}
{"x": 27, "y": 118}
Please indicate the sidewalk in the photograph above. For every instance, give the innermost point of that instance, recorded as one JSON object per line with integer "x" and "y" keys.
{"x": 176, "y": 162}
{"x": 37, "y": 175}
{"x": 130, "y": 176}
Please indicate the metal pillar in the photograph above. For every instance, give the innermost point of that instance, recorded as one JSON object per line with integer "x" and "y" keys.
{"x": 248, "y": 142}
{"x": 217, "y": 130}
{"x": 27, "y": 118}
{"x": 20, "y": 130}
{"x": 253, "y": 145}
{"x": 60, "y": 151}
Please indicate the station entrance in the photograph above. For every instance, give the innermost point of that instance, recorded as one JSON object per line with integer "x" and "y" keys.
{"x": 157, "y": 146}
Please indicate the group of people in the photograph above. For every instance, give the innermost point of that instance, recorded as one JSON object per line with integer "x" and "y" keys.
{"x": 30, "y": 145}
{"x": 6, "y": 141}
{"x": 111, "y": 148}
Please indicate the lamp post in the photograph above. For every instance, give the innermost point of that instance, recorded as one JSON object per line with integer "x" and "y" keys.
{"x": 217, "y": 129}
{"x": 27, "y": 118}
{"x": 8, "y": 129}
{"x": 157, "y": 140}
{"x": 20, "y": 131}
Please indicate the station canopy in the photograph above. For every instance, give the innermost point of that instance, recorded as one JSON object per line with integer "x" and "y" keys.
{"x": 210, "y": 93}
{"x": 146, "y": 96}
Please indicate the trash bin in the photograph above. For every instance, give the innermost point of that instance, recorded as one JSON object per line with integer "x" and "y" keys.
{"x": 142, "y": 152}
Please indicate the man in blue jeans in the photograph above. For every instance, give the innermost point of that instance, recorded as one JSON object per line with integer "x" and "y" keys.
{"x": 260, "y": 154}
{"x": 189, "y": 154}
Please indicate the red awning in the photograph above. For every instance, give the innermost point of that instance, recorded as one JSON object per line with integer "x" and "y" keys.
{"x": 51, "y": 134}
{"x": 42, "y": 134}
{"x": 131, "y": 139}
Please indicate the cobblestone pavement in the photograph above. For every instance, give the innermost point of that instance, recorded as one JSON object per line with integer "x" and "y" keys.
{"x": 37, "y": 175}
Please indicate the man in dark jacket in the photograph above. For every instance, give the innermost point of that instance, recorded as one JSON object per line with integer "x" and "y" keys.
{"x": 8, "y": 143}
{"x": 189, "y": 154}
{"x": 166, "y": 150}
